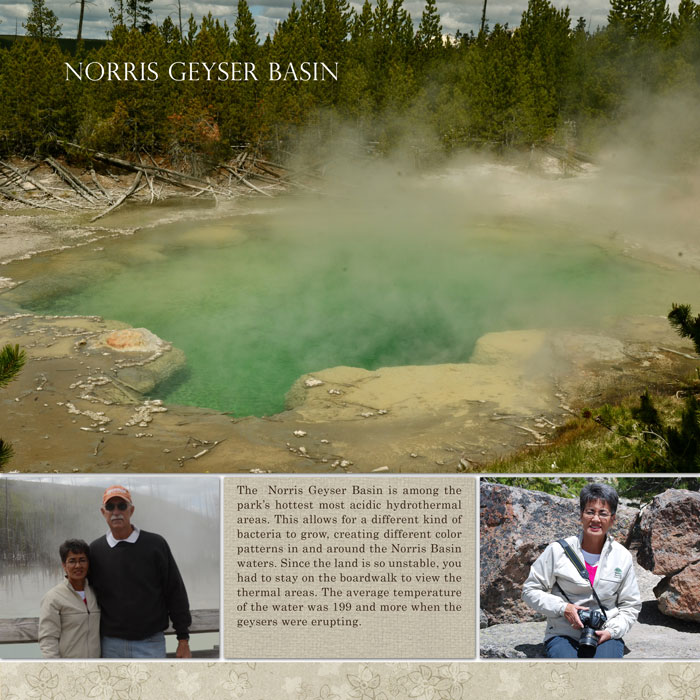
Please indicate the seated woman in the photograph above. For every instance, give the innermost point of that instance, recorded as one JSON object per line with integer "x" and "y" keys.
{"x": 556, "y": 586}
{"x": 69, "y": 623}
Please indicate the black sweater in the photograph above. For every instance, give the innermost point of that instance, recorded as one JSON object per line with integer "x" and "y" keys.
{"x": 138, "y": 586}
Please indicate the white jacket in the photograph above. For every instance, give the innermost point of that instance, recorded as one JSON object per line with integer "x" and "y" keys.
{"x": 615, "y": 583}
{"x": 69, "y": 629}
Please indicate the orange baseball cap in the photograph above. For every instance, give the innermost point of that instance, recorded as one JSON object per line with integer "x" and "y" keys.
{"x": 116, "y": 491}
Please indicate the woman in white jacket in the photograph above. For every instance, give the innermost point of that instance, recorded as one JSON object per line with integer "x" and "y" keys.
{"x": 69, "y": 622}
{"x": 556, "y": 588}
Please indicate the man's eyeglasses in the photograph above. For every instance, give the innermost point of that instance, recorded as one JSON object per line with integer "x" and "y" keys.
{"x": 122, "y": 505}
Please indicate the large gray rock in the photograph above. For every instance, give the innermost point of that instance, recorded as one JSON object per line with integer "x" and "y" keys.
{"x": 670, "y": 532}
{"x": 679, "y": 595}
{"x": 670, "y": 546}
{"x": 516, "y": 527}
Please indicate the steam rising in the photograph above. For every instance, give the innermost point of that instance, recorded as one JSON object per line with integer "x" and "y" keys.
{"x": 391, "y": 266}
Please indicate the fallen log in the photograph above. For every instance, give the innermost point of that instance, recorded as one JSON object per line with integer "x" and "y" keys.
{"x": 149, "y": 180}
{"x": 260, "y": 166}
{"x": 307, "y": 172}
{"x": 569, "y": 154}
{"x": 123, "y": 198}
{"x": 71, "y": 180}
{"x": 25, "y": 178}
{"x": 127, "y": 165}
{"x": 13, "y": 174}
{"x": 274, "y": 165}
{"x": 10, "y": 195}
{"x": 257, "y": 176}
{"x": 245, "y": 182}
{"x": 93, "y": 175}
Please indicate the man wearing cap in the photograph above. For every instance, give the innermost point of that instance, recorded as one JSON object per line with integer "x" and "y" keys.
{"x": 138, "y": 586}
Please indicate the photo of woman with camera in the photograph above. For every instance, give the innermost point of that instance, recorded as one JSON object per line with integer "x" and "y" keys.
{"x": 585, "y": 585}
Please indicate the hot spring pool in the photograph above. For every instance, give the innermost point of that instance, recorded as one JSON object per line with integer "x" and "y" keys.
{"x": 257, "y": 300}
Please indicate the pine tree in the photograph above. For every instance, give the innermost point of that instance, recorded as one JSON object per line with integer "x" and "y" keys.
{"x": 429, "y": 34}
{"x": 245, "y": 34}
{"x": 400, "y": 31}
{"x": 382, "y": 21}
{"x": 362, "y": 24}
{"x": 680, "y": 317}
{"x": 310, "y": 26}
{"x": 686, "y": 23}
{"x": 139, "y": 14}
{"x": 335, "y": 29}
{"x": 12, "y": 360}
{"x": 488, "y": 83}
{"x": 380, "y": 52}
{"x": 646, "y": 413}
{"x": 116, "y": 13}
{"x": 215, "y": 33}
{"x": 42, "y": 22}
{"x": 169, "y": 32}
{"x": 536, "y": 113}
{"x": 640, "y": 18}
{"x": 543, "y": 48}
{"x": 683, "y": 450}
{"x": 192, "y": 29}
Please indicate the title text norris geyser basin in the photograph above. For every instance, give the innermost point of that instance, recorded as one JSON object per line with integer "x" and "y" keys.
{"x": 181, "y": 71}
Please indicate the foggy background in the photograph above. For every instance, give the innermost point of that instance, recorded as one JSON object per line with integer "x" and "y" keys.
{"x": 399, "y": 262}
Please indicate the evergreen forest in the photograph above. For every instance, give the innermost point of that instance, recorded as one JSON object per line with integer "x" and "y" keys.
{"x": 551, "y": 80}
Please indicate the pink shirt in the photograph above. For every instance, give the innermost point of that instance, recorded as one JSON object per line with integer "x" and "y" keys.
{"x": 591, "y": 572}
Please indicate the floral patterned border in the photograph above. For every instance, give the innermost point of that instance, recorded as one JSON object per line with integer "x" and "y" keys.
{"x": 349, "y": 681}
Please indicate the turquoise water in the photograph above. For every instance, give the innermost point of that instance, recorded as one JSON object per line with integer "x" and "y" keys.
{"x": 257, "y": 301}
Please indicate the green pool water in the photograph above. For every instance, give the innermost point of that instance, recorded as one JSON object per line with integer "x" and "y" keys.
{"x": 256, "y": 301}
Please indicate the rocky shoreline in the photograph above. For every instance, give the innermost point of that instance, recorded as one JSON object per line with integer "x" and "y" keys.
{"x": 77, "y": 402}
{"x": 516, "y": 389}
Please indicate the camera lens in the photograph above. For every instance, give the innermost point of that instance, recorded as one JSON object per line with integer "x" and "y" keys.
{"x": 587, "y": 643}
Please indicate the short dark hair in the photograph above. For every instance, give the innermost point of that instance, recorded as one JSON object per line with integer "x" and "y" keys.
{"x": 76, "y": 546}
{"x": 599, "y": 492}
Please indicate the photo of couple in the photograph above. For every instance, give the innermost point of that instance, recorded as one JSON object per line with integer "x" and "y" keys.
{"x": 121, "y": 591}
{"x": 139, "y": 588}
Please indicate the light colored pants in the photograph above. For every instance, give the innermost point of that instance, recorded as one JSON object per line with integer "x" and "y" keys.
{"x": 149, "y": 648}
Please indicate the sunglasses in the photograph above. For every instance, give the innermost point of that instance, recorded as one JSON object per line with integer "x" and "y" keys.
{"x": 121, "y": 506}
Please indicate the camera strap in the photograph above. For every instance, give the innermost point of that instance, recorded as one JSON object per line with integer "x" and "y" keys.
{"x": 581, "y": 568}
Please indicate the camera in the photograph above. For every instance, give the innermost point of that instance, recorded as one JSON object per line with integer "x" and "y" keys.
{"x": 591, "y": 620}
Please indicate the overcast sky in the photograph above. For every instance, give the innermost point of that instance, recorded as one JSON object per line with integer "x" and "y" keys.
{"x": 464, "y": 15}
{"x": 191, "y": 492}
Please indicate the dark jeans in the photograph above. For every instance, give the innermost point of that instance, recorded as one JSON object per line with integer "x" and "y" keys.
{"x": 567, "y": 648}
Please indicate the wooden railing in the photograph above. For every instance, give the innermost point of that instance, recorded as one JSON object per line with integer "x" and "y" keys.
{"x": 20, "y": 630}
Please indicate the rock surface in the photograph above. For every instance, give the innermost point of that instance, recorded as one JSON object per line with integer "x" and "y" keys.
{"x": 679, "y": 595}
{"x": 670, "y": 546}
{"x": 516, "y": 527}
{"x": 643, "y": 641}
{"x": 130, "y": 340}
{"x": 670, "y": 530}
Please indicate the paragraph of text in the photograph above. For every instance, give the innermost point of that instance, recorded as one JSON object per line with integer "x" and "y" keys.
{"x": 338, "y": 567}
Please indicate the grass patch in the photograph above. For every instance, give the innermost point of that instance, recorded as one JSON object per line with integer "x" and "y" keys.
{"x": 619, "y": 438}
